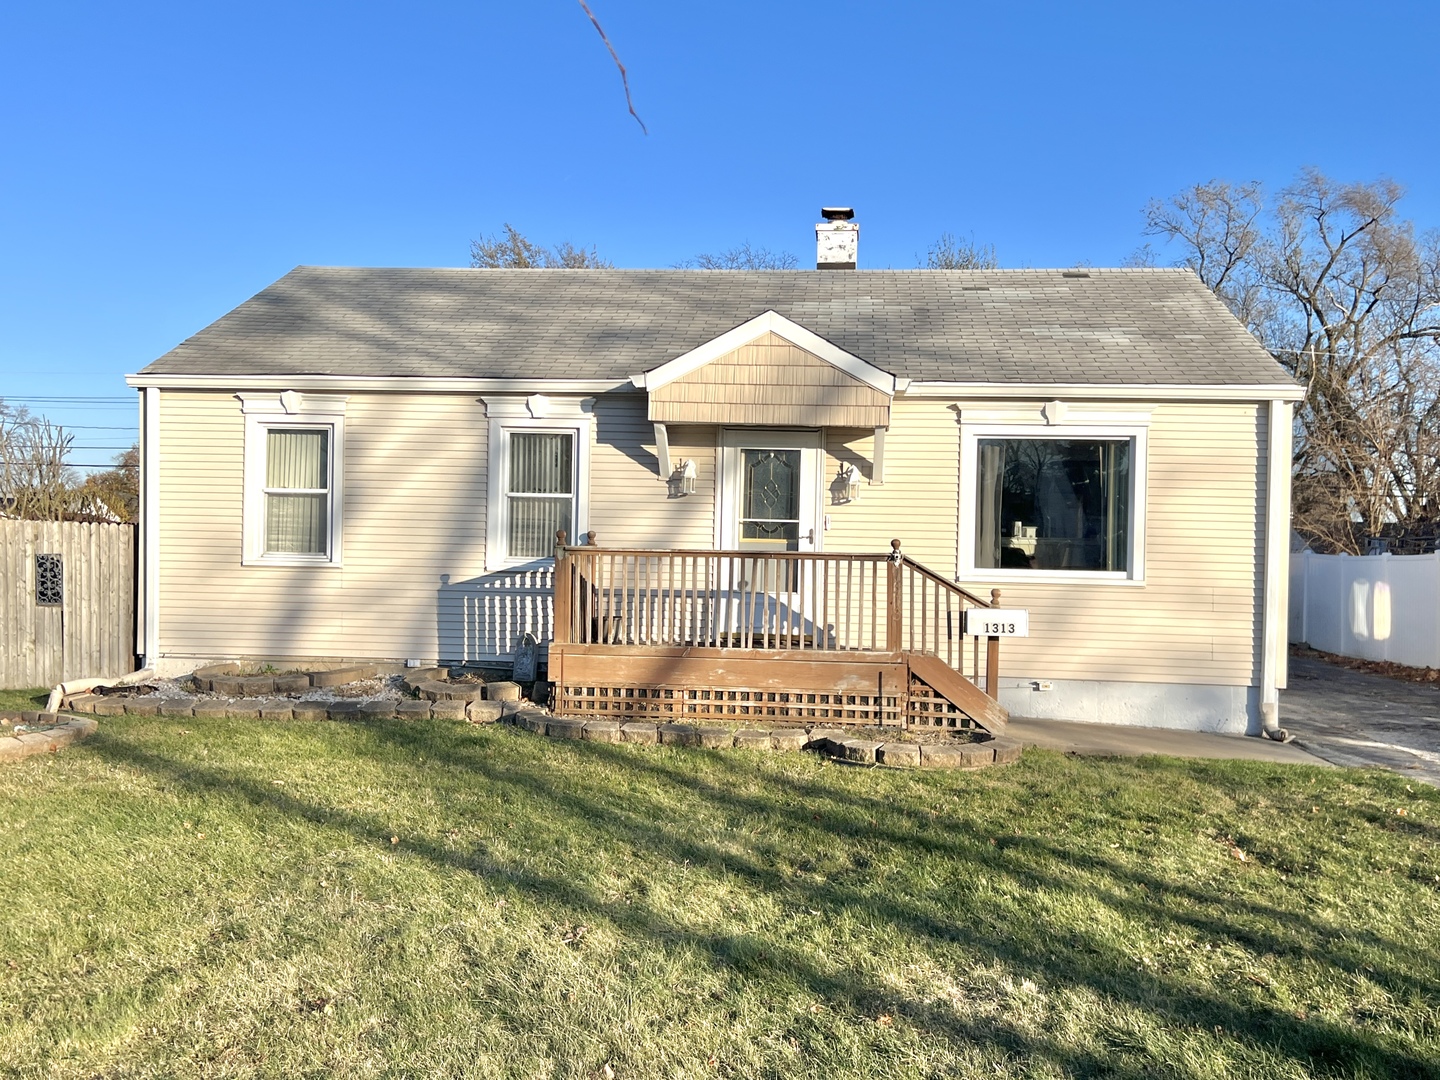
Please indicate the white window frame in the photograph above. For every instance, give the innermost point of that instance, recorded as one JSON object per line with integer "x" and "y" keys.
{"x": 292, "y": 411}
{"x": 537, "y": 414}
{"x": 1134, "y": 430}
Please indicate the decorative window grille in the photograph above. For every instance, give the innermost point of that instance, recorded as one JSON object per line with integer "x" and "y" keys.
{"x": 49, "y": 580}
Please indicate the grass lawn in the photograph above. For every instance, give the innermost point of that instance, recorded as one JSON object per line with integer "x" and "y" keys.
{"x": 223, "y": 898}
{"x": 22, "y": 700}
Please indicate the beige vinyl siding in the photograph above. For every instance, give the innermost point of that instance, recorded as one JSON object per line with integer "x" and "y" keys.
{"x": 1196, "y": 618}
{"x": 414, "y": 512}
{"x": 770, "y": 382}
{"x": 917, "y": 503}
{"x": 630, "y": 506}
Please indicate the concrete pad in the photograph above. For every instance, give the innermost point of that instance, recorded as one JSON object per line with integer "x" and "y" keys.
{"x": 1113, "y": 740}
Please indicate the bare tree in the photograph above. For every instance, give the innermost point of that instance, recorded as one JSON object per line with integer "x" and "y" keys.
{"x": 951, "y": 253}
{"x": 34, "y": 479}
{"x": 116, "y": 490}
{"x": 1337, "y": 286}
{"x": 512, "y": 251}
{"x": 742, "y": 257}
{"x": 1217, "y": 225}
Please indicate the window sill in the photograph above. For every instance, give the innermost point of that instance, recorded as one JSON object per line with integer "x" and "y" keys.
{"x": 1047, "y": 577}
{"x": 290, "y": 560}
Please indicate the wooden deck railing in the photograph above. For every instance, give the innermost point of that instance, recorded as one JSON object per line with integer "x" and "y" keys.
{"x": 779, "y": 601}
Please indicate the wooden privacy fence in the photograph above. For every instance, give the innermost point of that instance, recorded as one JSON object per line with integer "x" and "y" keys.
{"x": 68, "y": 593}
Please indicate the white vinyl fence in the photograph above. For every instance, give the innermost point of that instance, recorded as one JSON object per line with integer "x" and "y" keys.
{"x": 1375, "y": 607}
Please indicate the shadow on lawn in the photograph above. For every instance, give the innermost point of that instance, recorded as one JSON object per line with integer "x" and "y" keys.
{"x": 1083, "y": 958}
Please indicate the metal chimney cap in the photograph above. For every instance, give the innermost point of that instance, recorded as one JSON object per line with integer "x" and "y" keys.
{"x": 837, "y": 213}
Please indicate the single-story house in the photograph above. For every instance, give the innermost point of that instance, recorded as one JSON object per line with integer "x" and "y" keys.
{"x": 374, "y": 464}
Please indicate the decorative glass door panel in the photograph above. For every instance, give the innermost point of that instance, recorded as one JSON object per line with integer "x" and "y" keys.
{"x": 770, "y": 500}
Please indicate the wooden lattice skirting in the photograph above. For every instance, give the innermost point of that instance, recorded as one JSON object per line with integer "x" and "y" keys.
{"x": 730, "y": 702}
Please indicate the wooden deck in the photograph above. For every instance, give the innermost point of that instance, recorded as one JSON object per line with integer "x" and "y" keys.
{"x": 799, "y": 637}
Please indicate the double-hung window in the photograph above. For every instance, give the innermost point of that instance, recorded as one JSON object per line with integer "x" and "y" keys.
{"x": 537, "y": 477}
{"x": 293, "y": 478}
{"x": 540, "y": 495}
{"x": 297, "y": 491}
{"x": 1053, "y": 503}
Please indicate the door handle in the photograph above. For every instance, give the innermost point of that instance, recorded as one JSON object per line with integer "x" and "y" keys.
{"x": 810, "y": 536}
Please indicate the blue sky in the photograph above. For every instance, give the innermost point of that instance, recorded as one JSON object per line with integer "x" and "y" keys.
{"x": 159, "y": 163}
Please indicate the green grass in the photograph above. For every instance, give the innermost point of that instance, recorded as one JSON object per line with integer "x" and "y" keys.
{"x": 22, "y": 700}
{"x": 222, "y": 898}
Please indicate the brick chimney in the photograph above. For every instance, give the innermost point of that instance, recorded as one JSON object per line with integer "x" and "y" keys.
{"x": 837, "y": 239}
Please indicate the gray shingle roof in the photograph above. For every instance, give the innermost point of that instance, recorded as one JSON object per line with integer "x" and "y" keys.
{"x": 1115, "y": 327}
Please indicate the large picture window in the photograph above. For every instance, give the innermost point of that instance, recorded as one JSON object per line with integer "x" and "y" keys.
{"x": 1056, "y": 502}
{"x": 541, "y": 493}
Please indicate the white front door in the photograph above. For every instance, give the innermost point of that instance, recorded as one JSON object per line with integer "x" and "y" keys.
{"x": 770, "y": 490}
{"x": 769, "y": 504}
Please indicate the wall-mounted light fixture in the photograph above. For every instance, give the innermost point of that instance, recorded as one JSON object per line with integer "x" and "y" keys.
{"x": 845, "y": 488}
{"x": 682, "y": 480}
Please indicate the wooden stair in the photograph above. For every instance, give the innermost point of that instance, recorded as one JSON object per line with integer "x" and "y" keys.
{"x": 958, "y": 690}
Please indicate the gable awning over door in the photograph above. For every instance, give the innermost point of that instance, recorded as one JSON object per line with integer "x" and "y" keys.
{"x": 757, "y": 374}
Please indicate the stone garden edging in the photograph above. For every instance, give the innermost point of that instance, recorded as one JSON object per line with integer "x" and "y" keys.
{"x": 49, "y": 741}
{"x": 835, "y": 743}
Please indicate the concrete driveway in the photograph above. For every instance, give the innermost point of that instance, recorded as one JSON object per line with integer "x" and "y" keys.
{"x": 1354, "y": 718}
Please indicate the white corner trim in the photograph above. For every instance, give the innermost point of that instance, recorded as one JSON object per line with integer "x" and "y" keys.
{"x": 149, "y": 644}
{"x": 877, "y": 458}
{"x": 1274, "y": 647}
{"x": 1093, "y": 391}
{"x": 972, "y": 432}
{"x": 748, "y": 331}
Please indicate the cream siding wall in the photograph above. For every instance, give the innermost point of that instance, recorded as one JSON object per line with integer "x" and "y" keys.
{"x": 1196, "y": 618}
{"x": 630, "y": 505}
{"x": 413, "y": 583}
{"x": 414, "y": 510}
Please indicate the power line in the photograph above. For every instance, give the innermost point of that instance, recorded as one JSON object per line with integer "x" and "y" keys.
{"x": 67, "y": 397}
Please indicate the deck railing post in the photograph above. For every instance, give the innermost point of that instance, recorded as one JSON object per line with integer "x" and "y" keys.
{"x": 563, "y": 630}
{"x": 992, "y": 655}
{"x": 894, "y": 609}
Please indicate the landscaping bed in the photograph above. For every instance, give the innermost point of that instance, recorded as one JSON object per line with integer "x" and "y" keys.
{"x": 214, "y": 897}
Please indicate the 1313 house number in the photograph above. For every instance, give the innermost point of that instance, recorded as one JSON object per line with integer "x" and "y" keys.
{"x": 997, "y": 622}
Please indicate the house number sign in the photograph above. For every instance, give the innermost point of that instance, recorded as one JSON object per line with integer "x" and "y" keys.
{"x": 997, "y": 622}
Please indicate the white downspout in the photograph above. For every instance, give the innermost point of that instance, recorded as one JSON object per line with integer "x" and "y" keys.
{"x": 1274, "y": 644}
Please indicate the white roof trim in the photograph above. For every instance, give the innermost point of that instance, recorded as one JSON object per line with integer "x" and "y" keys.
{"x": 1124, "y": 392}
{"x": 747, "y": 332}
{"x": 421, "y": 384}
